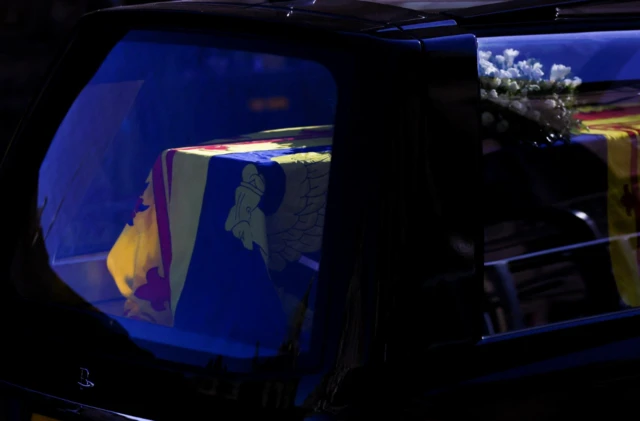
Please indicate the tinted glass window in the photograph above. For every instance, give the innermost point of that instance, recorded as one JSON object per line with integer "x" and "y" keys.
{"x": 184, "y": 194}
{"x": 560, "y": 119}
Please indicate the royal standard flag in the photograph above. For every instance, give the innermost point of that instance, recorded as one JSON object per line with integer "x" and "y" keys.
{"x": 226, "y": 238}
{"x": 620, "y": 127}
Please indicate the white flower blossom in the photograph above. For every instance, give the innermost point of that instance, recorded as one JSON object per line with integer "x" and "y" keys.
{"x": 510, "y": 55}
{"x": 536, "y": 72}
{"x": 518, "y": 107}
{"x": 576, "y": 82}
{"x": 488, "y": 68}
{"x": 509, "y": 83}
{"x": 484, "y": 55}
{"x": 572, "y": 83}
{"x": 524, "y": 67}
{"x": 510, "y": 73}
{"x": 503, "y": 100}
{"x": 559, "y": 72}
{"x": 531, "y": 71}
{"x": 487, "y": 119}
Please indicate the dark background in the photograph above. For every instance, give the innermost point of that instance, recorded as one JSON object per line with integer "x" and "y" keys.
{"x": 31, "y": 34}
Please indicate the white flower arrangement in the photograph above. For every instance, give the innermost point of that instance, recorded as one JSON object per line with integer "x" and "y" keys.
{"x": 519, "y": 101}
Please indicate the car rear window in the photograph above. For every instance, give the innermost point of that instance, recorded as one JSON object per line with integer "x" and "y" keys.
{"x": 184, "y": 193}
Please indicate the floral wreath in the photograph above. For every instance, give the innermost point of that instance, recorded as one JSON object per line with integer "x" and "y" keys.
{"x": 519, "y": 102}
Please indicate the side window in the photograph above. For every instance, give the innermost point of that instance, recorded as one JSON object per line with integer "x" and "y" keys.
{"x": 184, "y": 193}
{"x": 560, "y": 117}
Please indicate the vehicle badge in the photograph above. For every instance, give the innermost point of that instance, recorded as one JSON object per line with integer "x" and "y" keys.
{"x": 84, "y": 379}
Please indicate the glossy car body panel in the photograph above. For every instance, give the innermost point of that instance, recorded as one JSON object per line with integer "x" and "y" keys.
{"x": 353, "y": 16}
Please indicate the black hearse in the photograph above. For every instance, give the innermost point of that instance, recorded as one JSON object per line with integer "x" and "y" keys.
{"x": 328, "y": 209}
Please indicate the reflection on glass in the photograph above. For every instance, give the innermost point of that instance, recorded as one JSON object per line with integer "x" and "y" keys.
{"x": 560, "y": 116}
{"x": 208, "y": 245}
